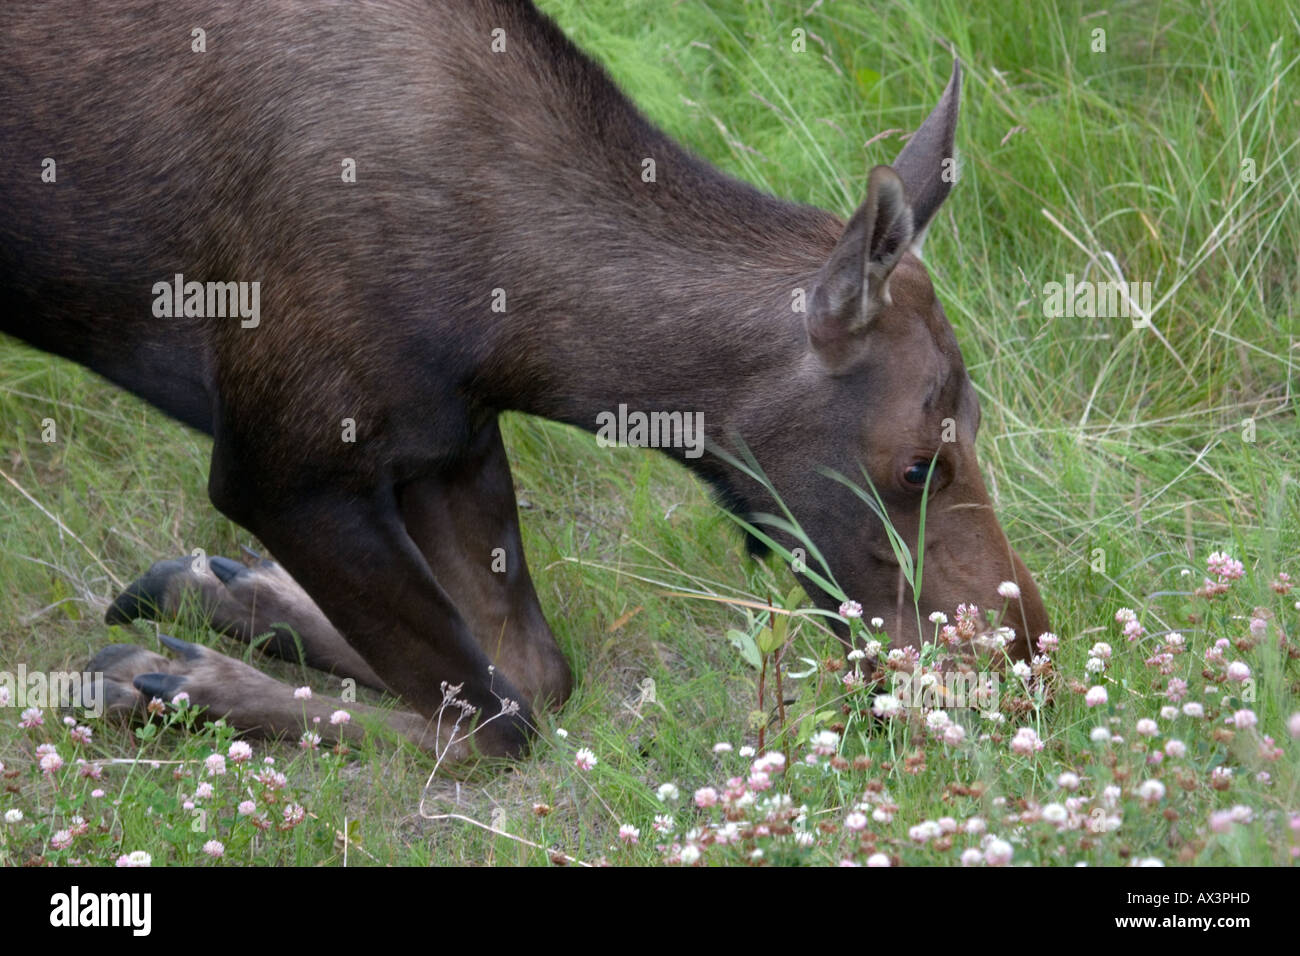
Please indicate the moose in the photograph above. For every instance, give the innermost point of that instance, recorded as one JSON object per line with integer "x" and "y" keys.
{"x": 445, "y": 210}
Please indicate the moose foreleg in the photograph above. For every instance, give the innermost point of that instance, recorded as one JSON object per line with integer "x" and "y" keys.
{"x": 251, "y": 701}
{"x": 248, "y": 603}
{"x": 353, "y": 555}
{"x": 466, "y": 524}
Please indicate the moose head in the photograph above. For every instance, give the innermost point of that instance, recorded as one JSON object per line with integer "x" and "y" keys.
{"x": 882, "y": 400}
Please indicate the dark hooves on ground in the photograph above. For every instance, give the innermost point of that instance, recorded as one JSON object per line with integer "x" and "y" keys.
{"x": 145, "y": 596}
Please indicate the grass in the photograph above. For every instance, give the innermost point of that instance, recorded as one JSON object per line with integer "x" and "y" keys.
{"x": 1118, "y": 458}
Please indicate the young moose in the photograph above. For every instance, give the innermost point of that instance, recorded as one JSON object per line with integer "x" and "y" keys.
{"x": 388, "y": 172}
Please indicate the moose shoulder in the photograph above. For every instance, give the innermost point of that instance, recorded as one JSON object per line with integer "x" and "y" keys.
{"x": 444, "y": 211}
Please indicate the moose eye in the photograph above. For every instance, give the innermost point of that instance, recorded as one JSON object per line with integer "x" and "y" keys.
{"x": 917, "y": 472}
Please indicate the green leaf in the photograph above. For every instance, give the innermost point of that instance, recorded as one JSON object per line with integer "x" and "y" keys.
{"x": 794, "y": 598}
{"x": 772, "y": 638}
{"x": 748, "y": 649}
{"x": 868, "y": 79}
{"x": 805, "y": 731}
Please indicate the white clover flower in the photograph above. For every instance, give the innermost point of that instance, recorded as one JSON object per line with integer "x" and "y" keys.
{"x": 886, "y": 705}
{"x": 1151, "y": 791}
{"x": 997, "y": 853}
{"x": 825, "y": 742}
{"x": 937, "y": 720}
{"x": 1055, "y": 814}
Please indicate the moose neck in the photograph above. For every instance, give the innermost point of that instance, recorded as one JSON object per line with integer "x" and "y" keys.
{"x": 677, "y": 296}
{"x": 642, "y": 276}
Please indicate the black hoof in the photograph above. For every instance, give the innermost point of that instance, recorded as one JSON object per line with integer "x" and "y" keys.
{"x": 225, "y": 569}
{"x": 191, "y": 652}
{"x": 145, "y": 597}
{"x": 164, "y": 686}
{"x": 109, "y": 657}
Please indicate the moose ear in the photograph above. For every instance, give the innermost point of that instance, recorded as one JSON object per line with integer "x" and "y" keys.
{"x": 852, "y": 286}
{"x": 927, "y": 164}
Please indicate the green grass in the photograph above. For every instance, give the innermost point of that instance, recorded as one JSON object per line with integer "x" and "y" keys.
{"x": 1100, "y": 442}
